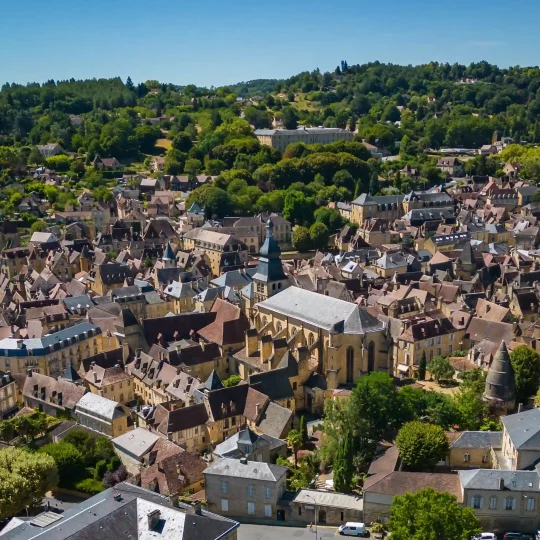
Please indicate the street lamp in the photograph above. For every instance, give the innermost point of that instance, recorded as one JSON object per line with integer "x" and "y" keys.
{"x": 315, "y": 518}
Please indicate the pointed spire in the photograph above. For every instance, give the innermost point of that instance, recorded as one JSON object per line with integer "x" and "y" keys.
{"x": 213, "y": 382}
{"x": 500, "y": 380}
{"x": 70, "y": 374}
{"x": 168, "y": 253}
{"x": 270, "y": 267}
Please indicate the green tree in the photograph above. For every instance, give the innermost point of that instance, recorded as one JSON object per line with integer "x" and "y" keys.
{"x": 343, "y": 465}
{"x": 428, "y": 514}
{"x": 69, "y": 461}
{"x": 301, "y": 239}
{"x": 422, "y": 365}
{"x": 440, "y": 368}
{"x": 25, "y": 477}
{"x": 303, "y": 430}
{"x": 421, "y": 445}
{"x": 374, "y": 186}
{"x": 233, "y": 380}
{"x": 294, "y": 442}
{"x": 182, "y": 142}
{"x": 60, "y": 163}
{"x": 35, "y": 157}
{"x": 330, "y": 217}
{"x": 38, "y": 226}
{"x": 192, "y": 166}
{"x": 344, "y": 178}
{"x": 319, "y": 235}
{"x": 290, "y": 118}
{"x": 526, "y": 365}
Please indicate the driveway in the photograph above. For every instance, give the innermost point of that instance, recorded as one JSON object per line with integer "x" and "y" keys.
{"x": 271, "y": 532}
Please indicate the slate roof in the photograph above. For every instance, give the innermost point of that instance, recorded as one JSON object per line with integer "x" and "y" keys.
{"x": 488, "y": 479}
{"x": 275, "y": 383}
{"x": 337, "y": 316}
{"x": 478, "y": 439}
{"x": 252, "y": 470}
{"x": 94, "y": 404}
{"x": 122, "y": 512}
{"x": 524, "y": 429}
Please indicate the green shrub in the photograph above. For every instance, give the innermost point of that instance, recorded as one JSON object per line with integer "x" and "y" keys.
{"x": 101, "y": 469}
{"x": 90, "y": 486}
{"x": 69, "y": 461}
{"x": 114, "y": 463}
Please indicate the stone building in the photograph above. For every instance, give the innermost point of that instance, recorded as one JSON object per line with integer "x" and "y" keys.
{"x": 500, "y": 381}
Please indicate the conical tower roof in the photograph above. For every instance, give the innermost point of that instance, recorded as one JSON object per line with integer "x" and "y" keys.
{"x": 213, "y": 382}
{"x": 70, "y": 374}
{"x": 500, "y": 380}
{"x": 168, "y": 253}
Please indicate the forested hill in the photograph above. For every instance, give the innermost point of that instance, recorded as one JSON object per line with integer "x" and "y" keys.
{"x": 406, "y": 111}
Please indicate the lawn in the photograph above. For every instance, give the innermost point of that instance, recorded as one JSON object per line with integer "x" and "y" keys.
{"x": 164, "y": 143}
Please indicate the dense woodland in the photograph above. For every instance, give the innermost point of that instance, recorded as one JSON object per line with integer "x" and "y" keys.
{"x": 201, "y": 130}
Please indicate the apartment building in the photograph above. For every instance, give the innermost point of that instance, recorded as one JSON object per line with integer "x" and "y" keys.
{"x": 52, "y": 353}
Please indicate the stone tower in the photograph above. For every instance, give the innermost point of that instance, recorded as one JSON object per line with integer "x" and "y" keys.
{"x": 500, "y": 388}
{"x": 269, "y": 278}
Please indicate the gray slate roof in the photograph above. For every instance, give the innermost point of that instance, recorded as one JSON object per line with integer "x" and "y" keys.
{"x": 253, "y": 470}
{"x": 322, "y": 311}
{"x": 478, "y": 439}
{"x": 488, "y": 479}
{"x": 524, "y": 429}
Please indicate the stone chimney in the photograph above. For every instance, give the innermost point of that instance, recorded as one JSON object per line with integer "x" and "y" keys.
{"x": 252, "y": 341}
{"x": 266, "y": 348}
{"x": 279, "y": 347}
{"x": 153, "y": 518}
{"x": 501, "y": 483}
{"x": 28, "y": 372}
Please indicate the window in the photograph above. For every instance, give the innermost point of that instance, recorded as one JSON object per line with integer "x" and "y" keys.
{"x": 224, "y": 487}
{"x": 530, "y": 504}
{"x": 477, "y": 502}
{"x": 299, "y": 510}
{"x": 493, "y": 503}
{"x": 224, "y": 505}
{"x": 251, "y": 508}
{"x": 267, "y": 510}
{"x": 294, "y": 386}
{"x": 467, "y": 458}
{"x": 267, "y": 493}
{"x": 251, "y": 491}
{"x": 509, "y": 503}
{"x": 311, "y": 339}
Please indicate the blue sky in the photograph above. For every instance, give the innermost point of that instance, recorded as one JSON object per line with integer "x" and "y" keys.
{"x": 223, "y": 42}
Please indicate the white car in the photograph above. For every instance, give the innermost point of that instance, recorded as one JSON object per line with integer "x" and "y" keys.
{"x": 353, "y": 529}
{"x": 485, "y": 536}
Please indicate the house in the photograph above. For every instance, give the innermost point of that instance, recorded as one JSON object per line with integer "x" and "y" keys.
{"x": 450, "y": 165}
{"x": 125, "y": 511}
{"x": 157, "y": 163}
{"x": 245, "y": 489}
{"x": 103, "y": 415}
{"x": 8, "y": 395}
{"x": 487, "y": 150}
{"x": 328, "y": 507}
{"x": 281, "y": 138}
{"x": 110, "y": 382}
{"x": 50, "y": 150}
{"x": 252, "y": 446}
{"x": 55, "y": 397}
{"x": 472, "y": 449}
{"x": 107, "y": 164}
{"x": 512, "y": 169}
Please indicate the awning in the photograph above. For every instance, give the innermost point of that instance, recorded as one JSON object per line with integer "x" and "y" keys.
{"x": 403, "y": 368}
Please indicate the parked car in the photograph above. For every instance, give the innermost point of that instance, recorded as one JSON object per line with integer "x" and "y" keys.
{"x": 515, "y": 536}
{"x": 485, "y": 536}
{"x": 353, "y": 529}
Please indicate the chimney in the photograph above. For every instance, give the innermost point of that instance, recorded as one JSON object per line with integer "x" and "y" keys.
{"x": 243, "y": 460}
{"x": 197, "y": 508}
{"x": 153, "y": 518}
{"x": 251, "y": 341}
{"x": 28, "y": 372}
{"x": 95, "y": 376}
{"x": 266, "y": 348}
{"x": 501, "y": 483}
{"x": 92, "y": 365}
{"x": 257, "y": 409}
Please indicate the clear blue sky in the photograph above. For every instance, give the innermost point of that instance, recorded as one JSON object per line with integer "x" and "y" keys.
{"x": 219, "y": 42}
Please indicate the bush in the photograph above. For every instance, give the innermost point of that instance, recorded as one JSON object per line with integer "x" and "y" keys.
{"x": 114, "y": 463}
{"x": 90, "y": 486}
{"x": 69, "y": 461}
{"x": 233, "y": 380}
{"x": 101, "y": 469}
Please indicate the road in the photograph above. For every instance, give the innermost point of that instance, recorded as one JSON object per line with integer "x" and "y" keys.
{"x": 267, "y": 532}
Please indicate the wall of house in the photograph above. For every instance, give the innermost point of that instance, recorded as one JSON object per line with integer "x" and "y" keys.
{"x": 469, "y": 458}
{"x": 376, "y": 507}
{"x": 307, "y": 513}
{"x": 500, "y": 519}
{"x": 238, "y": 496}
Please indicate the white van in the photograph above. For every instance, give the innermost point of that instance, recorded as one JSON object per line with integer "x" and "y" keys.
{"x": 352, "y": 529}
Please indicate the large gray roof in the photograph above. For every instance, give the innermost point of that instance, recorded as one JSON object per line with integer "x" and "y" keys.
{"x": 478, "y": 439}
{"x": 322, "y": 311}
{"x": 524, "y": 429}
{"x": 253, "y": 470}
{"x": 488, "y": 479}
